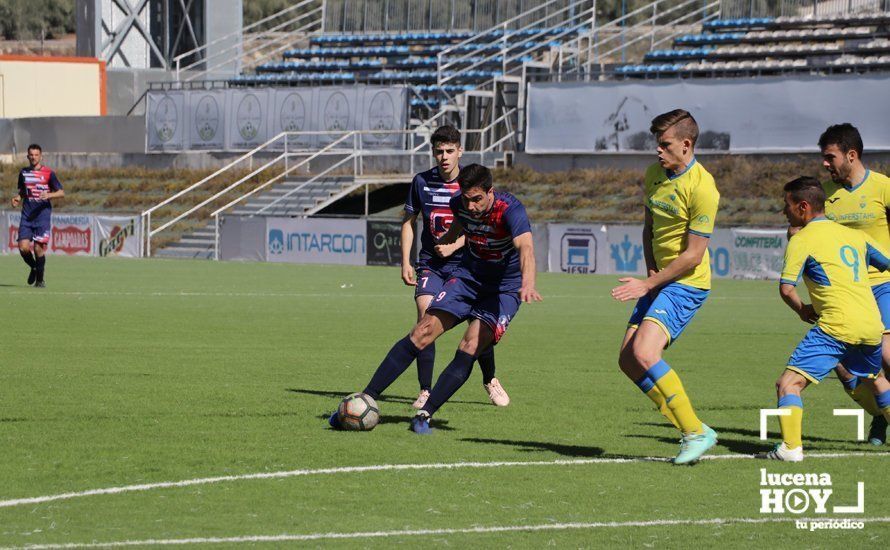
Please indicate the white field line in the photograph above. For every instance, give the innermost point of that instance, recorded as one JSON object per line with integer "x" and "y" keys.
{"x": 383, "y": 468}
{"x": 433, "y": 532}
{"x": 186, "y": 294}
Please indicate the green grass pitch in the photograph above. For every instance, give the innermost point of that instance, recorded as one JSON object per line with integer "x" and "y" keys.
{"x": 123, "y": 373}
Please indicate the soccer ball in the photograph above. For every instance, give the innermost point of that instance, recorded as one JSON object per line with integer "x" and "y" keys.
{"x": 358, "y": 412}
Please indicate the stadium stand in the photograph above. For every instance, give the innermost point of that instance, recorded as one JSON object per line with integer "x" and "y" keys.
{"x": 409, "y": 58}
{"x": 856, "y": 42}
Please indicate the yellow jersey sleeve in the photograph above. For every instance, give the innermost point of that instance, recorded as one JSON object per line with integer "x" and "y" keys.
{"x": 703, "y": 208}
{"x": 795, "y": 258}
{"x": 878, "y": 256}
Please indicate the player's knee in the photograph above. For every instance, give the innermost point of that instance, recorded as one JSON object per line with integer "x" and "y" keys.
{"x": 626, "y": 361}
{"x": 469, "y": 346}
{"x": 423, "y": 334}
{"x": 24, "y": 246}
{"x": 788, "y": 384}
{"x": 645, "y": 356}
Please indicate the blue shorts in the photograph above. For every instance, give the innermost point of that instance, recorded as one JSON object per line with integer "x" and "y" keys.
{"x": 35, "y": 230}
{"x": 467, "y": 298}
{"x": 430, "y": 281}
{"x": 818, "y": 354}
{"x": 882, "y": 297}
{"x": 671, "y": 309}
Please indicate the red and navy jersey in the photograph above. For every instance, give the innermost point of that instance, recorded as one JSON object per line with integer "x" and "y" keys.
{"x": 491, "y": 255}
{"x": 33, "y": 182}
{"x": 429, "y": 197}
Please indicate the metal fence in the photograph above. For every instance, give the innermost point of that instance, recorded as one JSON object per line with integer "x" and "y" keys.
{"x": 428, "y": 15}
{"x": 731, "y": 9}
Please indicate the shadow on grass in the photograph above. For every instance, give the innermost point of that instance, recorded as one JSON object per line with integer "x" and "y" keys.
{"x": 435, "y": 424}
{"x": 752, "y": 433}
{"x": 383, "y": 398}
{"x": 747, "y": 447}
{"x": 541, "y": 446}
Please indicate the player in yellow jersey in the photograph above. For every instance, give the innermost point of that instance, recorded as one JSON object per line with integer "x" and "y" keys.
{"x": 859, "y": 198}
{"x": 681, "y": 205}
{"x": 834, "y": 261}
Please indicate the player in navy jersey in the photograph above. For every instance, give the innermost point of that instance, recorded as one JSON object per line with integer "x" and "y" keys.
{"x": 36, "y": 187}
{"x": 429, "y": 197}
{"x": 496, "y": 274}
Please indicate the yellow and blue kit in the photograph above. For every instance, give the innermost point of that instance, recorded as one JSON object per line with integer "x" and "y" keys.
{"x": 864, "y": 207}
{"x": 834, "y": 262}
{"x": 680, "y": 204}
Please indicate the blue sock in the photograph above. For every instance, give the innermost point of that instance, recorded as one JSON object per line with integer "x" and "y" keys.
{"x": 486, "y": 364}
{"x": 452, "y": 378}
{"x": 850, "y": 384}
{"x": 645, "y": 383}
{"x": 883, "y": 399}
{"x": 394, "y": 364}
{"x": 426, "y": 359}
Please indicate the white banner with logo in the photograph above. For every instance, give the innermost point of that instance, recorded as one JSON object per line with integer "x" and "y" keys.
{"x": 165, "y": 121}
{"x": 757, "y": 253}
{"x": 577, "y": 248}
{"x": 207, "y": 119}
{"x": 625, "y": 244}
{"x": 118, "y": 236}
{"x": 316, "y": 241}
{"x": 248, "y": 118}
{"x": 775, "y": 114}
{"x": 294, "y": 111}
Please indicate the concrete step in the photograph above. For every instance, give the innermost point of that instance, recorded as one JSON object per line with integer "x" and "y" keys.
{"x": 185, "y": 253}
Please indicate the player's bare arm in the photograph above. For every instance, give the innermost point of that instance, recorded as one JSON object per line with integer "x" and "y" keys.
{"x": 633, "y": 288}
{"x": 526, "y": 248}
{"x": 806, "y": 312}
{"x": 408, "y": 221}
{"x": 648, "y": 254}
{"x": 446, "y": 250}
{"x": 455, "y": 231}
{"x": 52, "y": 195}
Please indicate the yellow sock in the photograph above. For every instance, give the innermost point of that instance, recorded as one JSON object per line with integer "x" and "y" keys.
{"x": 668, "y": 383}
{"x": 657, "y": 398}
{"x": 792, "y": 424}
{"x": 863, "y": 395}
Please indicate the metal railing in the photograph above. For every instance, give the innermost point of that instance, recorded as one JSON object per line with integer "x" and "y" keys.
{"x": 255, "y": 43}
{"x": 528, "y": 28}
{"x": 284, "y": 157}
{"x": 665, "y": 17}
{"x": 733, "y": 9}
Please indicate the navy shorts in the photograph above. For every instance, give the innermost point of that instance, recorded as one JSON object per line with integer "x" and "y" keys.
{"x": 466, "y": 298}
{"x": 430, "y": 281}
{"x": 35, "y": 230}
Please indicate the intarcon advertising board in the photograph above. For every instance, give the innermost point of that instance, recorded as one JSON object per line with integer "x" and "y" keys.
{"x": 316, "y": 241}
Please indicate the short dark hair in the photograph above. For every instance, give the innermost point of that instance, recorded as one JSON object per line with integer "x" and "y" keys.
{"x": 806, "y": 188}
{"x": 474, "y": 175}
{"x": 35, "y": 146}
{"x": 686, "y": 126}
{"x": 845, "y": 136}
{"x": 445, "y": 134}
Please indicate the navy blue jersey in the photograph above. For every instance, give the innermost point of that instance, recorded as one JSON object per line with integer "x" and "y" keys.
{"x": 33, "y": 182}
{"x": 491, "y": 256}
{"x": 429, "y": 198}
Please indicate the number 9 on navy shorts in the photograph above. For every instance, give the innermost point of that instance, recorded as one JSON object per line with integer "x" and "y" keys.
{"x": 465, "y": 299}
{"x": 671, "y": 309}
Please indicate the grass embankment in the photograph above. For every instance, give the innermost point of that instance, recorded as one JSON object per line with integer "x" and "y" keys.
{"x": 750, "y": 191}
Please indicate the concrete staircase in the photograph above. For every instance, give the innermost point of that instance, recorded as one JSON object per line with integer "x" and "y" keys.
{"x": 294, "y": 197}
